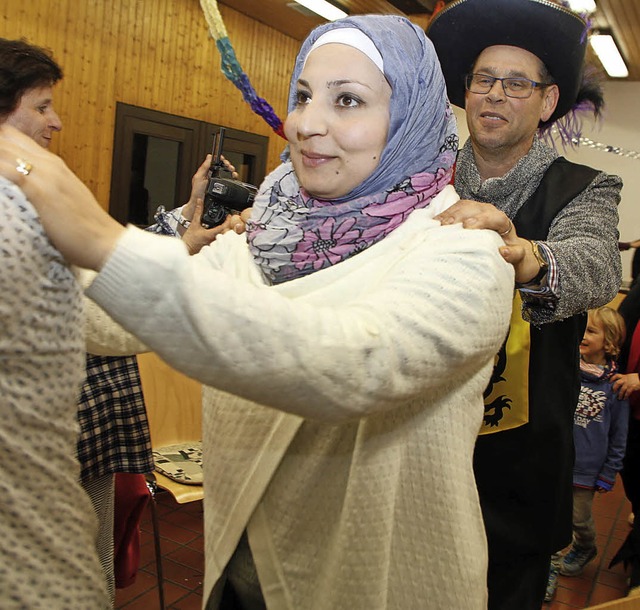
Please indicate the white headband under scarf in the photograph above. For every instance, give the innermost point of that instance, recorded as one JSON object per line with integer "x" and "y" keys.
{"x": 352, "y": 37}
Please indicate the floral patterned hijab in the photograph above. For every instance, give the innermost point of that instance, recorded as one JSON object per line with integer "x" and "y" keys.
{"x": 292, "y": 234}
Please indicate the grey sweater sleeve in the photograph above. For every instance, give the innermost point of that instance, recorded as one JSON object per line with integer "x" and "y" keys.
{"x": 584, "y": 241}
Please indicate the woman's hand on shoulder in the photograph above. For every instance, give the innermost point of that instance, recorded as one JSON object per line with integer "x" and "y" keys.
{"x": 74, "y": 221}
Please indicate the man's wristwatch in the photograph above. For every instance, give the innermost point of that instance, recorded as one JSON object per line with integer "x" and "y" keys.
{"x": 544, "y": 265}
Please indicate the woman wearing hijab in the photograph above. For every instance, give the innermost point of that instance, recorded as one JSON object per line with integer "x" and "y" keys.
{"x": 346, "y": 339}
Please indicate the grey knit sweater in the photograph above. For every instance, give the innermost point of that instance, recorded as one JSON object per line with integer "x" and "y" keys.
{"x": 47, "y": 526}
{"x": 583, "y": 237}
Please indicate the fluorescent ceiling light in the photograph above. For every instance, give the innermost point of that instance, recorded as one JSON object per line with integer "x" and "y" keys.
{"x": 607, "y": 51}
{"x": 583, "y": 6}
{"x": 323, "y": 8}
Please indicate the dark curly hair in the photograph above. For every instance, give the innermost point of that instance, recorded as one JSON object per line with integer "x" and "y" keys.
{"x": 23, "y": 66}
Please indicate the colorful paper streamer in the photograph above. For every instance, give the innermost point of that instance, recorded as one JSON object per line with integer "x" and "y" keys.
{"x": 233, "y": 71}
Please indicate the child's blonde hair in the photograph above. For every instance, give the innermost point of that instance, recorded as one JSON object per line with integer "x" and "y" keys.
{"x": 614, "y": 329}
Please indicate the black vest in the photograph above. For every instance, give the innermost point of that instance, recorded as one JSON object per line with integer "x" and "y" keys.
{"x": 524, "y": 475}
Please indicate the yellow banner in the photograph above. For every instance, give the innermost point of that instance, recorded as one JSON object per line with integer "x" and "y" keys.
{"x": 506, "y": 399}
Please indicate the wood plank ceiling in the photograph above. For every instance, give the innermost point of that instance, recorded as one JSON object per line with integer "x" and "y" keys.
{"x": 619, "y": 17}
{"x": 622, "y": 19}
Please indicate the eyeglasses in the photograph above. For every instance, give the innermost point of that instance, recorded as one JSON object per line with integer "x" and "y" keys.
{"x": 520, "y": 88}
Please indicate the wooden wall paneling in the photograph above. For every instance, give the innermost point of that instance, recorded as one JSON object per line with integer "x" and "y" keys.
{"x": 181, "y": 31}
{"x": 197, "y": 63}
{"x": 160, "y": 55}
{"x": 106, "y": 27}
{"x": 150, "y": 42}
{"x": 200, "y": 53}
{"x": 239, "y": 30}
{"x": 40, "y": 21}
{"x": 83, "y": 128}
{"x": 128, "y": 60}
{"x": 203, "y": 71}
{"x": 138, "y": 74}
{"x": 152, "y": 49}
{"x": 72, "y": 63}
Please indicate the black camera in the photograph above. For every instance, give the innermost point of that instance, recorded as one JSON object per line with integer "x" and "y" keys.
{"x": 223, "y": 196}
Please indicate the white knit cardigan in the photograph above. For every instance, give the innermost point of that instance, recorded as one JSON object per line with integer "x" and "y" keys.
{"x": 342, "y": 433}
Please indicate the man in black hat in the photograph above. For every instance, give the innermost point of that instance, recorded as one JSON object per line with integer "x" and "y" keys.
{"x": 517, "y": 67}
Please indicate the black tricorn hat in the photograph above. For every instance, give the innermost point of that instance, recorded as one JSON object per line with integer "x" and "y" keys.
{"x": 555, "y": 34}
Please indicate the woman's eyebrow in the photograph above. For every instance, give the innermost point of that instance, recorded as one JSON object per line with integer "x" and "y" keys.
{"x": 335, "y": 83}
{"x": 346, "y": 81}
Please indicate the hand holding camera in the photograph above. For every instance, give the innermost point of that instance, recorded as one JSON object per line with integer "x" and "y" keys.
{"x": 223, "y": 196}
{"x": 196, "y": 236}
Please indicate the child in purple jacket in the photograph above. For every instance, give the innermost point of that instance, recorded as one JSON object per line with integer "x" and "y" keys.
{"x": 600, "y": 434}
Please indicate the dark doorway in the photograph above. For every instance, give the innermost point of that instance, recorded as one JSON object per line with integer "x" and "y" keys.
{"x": 155, "y": 154}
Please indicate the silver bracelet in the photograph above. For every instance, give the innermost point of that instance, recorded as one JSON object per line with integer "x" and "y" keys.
{"x": 183, "y": 221}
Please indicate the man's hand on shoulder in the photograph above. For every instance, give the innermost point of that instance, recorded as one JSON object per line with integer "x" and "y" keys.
{"x": 517, "y": 251}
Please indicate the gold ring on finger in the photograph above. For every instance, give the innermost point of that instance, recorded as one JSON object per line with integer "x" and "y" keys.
{"x": 505, "y": 233}
{"x": 24, "y": 167}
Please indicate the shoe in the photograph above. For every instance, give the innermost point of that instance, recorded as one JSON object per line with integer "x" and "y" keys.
{"x": 575, "y": 560}
{"x": 556, "y": 558}
{"x": 552, "y": 583}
